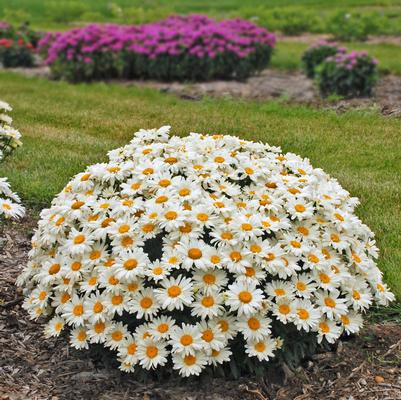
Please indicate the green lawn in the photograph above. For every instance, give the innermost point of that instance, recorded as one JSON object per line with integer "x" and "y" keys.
{"x": 66, "y": 127}
{"x": 308, "y": 15}
{"x": 288, "y": 54}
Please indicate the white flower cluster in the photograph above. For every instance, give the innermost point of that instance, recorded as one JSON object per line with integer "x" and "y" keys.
{"x": 177, "y": 245}
{"x": 10, "y": 206}
{"x": 9, "y": 141}
{"x": 9, "y": 137}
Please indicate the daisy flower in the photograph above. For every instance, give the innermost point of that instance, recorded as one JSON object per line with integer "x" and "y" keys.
{"x": 54, "y": 327}
{"x": 79, "y": 338}
{"x": 329, "y": 330}
{"x": 74, "y": 311}
{"x": 244, "y": 298}
{"x": 263, "y": 349}
{"x": 186, "y": 340}
{"x": 255, "y": 327}
{"x": 152, "y": 353}
{"x": 161, "y": 327}
{"x": 175, "y": 293}
{"x": 331, "y": 304}
{"x": 116, "y": 335}
{"x": 306, "y": 317}
{"x": 207, "y": 305}
{"x": 216, "y": 357}
{"x": 144, "y": 304}
{"x": 189, "y": 364}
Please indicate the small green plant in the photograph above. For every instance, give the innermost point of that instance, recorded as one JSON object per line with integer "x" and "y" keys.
{"x": 351, "y": 75}
{"x": 316, "y": 54}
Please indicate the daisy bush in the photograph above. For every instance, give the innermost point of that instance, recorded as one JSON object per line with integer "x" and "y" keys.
{"x": 10, "y": 206}
{"x": 183, "y": 253}
{"x": 193, "y": 47}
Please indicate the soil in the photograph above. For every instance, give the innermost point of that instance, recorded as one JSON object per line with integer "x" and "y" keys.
{"x": 367, "y": 367}
{"x": 288, "y": 87}
{"x": 311, "y": 38}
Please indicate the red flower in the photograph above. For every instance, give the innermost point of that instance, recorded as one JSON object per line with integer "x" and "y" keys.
{"x": 6, "y": 43}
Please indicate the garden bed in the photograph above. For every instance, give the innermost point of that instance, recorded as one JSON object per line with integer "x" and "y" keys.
{"x": 366, "y": 367}
{"x": 292, "y": 87}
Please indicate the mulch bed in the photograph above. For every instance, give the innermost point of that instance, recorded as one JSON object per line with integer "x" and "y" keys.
{"x": 367, "y": 367}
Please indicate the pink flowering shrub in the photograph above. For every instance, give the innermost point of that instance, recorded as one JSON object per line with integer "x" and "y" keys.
{"x": 316, "y": 54}
{"x": 192, "y": 48}
{"x": 347, "y": 74}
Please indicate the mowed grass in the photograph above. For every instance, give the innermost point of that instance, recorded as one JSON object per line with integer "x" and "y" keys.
{"x": 287, "y": 55}
{"x": 66, "y": 127}
{"x": 308, "y": 15}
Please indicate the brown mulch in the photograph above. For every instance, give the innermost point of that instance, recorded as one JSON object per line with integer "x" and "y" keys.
{"x": 291, "y": 87}
{"x": 367, "y": 367}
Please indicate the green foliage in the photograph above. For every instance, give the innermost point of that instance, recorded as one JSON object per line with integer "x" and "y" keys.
{"x": 290, "y": 16}
{"x": 315, "y": 55}
{"x": 185, "y": 67}
{"x": 347, "y": 76}
{"x": 352, "y": 26}
{"x": 16, "y": 56}
{"x": 62, "y": 11}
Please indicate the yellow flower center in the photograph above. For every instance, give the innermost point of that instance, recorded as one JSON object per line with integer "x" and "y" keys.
{"x": 209, "y": 279}
{"x": 186, "y": 340}
{"x": 98, "y": 307}
{"x": 162, "y": 328}
{"x": 208, "y": 301}
{"x": 253, "y": 323}
{"x": 171, "y": 215}
{"x": 329, "y": 302}
{"x": 54, "y": 269}
{"x": 300, "y": 208}
{"x": 235, "y": 256}
{"x": 79, "y": 239}
{"x": 284, "y": 309}
{"x": 131, "y": 349}
{"x": 78, "y": 310}
{"x": 130, "y": 264}
{"x": 245, "y": 297}
{"x": 246, "y": 227}
{"x": 324, "y": 327}
{"x": 174, "y": 291}
{"x": 117, "y": 300}
{"x": 189, "y": 359}
{"x": 207, "y": 335}
{"x": 152, "y": 351}
{"x": 99, "y": 327}
{"x": 303, "y": 314}
{"x": 260, "y": 347}
{"x": 194, "y": 253}
{"x": 146, "y": 302}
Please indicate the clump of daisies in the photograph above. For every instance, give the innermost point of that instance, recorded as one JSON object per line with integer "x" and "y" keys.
{"x": 10, "y": 206}
{"x": 190, "y": 252}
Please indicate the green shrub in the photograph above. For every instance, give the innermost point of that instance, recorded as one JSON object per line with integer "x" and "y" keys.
{"x": 351, "y": 75}
{"x": 316, "y": 54}
{"x": 348, "y": 27}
